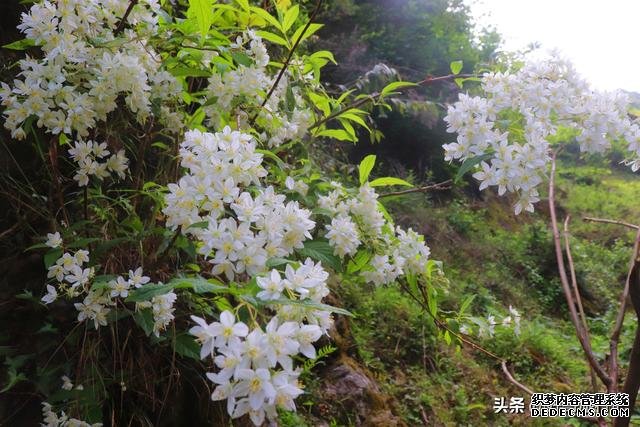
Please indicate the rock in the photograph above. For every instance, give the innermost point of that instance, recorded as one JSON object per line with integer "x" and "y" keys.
{"x": 349, "y": 391}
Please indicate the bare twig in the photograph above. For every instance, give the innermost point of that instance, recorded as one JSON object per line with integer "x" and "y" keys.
{"x": 55, "y": 177}
{"x": 9, "y": 230}
{"x": 430, "y": 79}
{"x": 611, "y": 221}
{"x": 615, "y": 334}
{"x": 632, "y": 381}
{"x": 291, "y": 52}
{"x": 445, "y": 185}
{"x": 440, "y": 324}
{"x": 513, "y": 380}
{"x": 123, "y": 21}
{"x": 584, "y": 341}
{"x": 576, "y": 293}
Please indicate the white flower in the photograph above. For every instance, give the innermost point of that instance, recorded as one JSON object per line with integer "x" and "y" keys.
{"x": 79, "y": 276}
{"x": 136, "y": 278}
{"x": 54, "y": 240}
{"x": 257, "y": 385}
{"x": 119, "y": 287}
{"x": 343, "y": 236}
{"x": 227, "y": 330}
{"x": 205, "y": 335}
{"x": 50, "y": 296}
{"x": 272, "y": 286}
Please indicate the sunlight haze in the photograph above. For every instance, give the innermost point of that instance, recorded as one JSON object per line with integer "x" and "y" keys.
{"x": 600, "y": 38}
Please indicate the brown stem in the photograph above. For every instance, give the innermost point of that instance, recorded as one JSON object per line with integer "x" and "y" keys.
{"x": 611, "y": 221}
{"x": 123, "y": 21}
{"x": 576, "y": 294}
{"x": 513, "y": 380}
{"x": 632, "y": 381}
{"x": 424, "y": 303}
{"x": 445, "y": 185}
{"x": 55, "y": 177}
{"x": 615, "y": 334}
{"x": 431, "y": 79}
{"x": 291, "y": 52}
{"x": 584, "y": 341}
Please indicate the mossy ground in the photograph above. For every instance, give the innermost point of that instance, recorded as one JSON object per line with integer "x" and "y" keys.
{"x": 502, "y": 260}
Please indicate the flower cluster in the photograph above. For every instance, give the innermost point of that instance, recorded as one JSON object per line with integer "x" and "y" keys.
{"x": 88, "y": 156}
{"x": 54, "y": 419}
{"x": 519, "y": 116}
{"x": 246, "y": 223}
{"x": 360, "y": 220}
{"x": 74, "y": 280}
{"x": 487, "y": 327}
{"x": 86, "y": 66}
{"x": 241, "y": 91}
{"x": 70, "y": 274}
{"x": 256, "y": 373}
{"x": 162, "y": 309}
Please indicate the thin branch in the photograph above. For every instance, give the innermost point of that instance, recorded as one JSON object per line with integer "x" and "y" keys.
{"x": 123, "y": 21}
{"x": 291, "y": 52}
{"x": 429, "y": 80}
{"x": 440, "y": 324}
{"x": 611, "y": 221}
{"x": 352, "y": 106}
{"x": 584, "y": 342}
{"x": 576, "y": 293}
{"x": 513, "y": 380}
{"x": 615, "y": 334}
{"x": 10, "y": 230}
{"x": 632, "y": 381}
{"x": 55, "y": 177}
{"x": 445, "y": 185}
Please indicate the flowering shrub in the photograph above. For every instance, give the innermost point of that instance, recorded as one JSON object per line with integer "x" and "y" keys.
{"x": 510, "y": 129}
{"x": 226, "y": 260}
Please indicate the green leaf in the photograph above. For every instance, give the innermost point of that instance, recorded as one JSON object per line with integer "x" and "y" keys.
{"x": 393, "y": 86}
{"x": 202, "y": 12}
{"x": 323, "y": 54}
{"x": 183, "y": 71}
{"x": 199, "y": 224}
{"x": 20, "y": 44}
{"x": 365, "y": 168}
{"x": 148, "y": 291}
{"x": 470, "y": 163}
{"x": 51, "y": 257}
{"x": 186, "y": 346}
{"x": 359, "y": 261}
{"x": 37, "y": 246}
{"x": 456, "y": 67}
{"x": 242, "y": 59}
{"x": 311, "y": 304}
{"x": 290, "y": 17}
{"x": 308, "y": 33}
{"x": 198, "y": 284}
{"x": 244, "y": 4}
{"x": 389, "y": 180}
{"x": 466, "y": 304}
{"x": 339, "y": 134}
{"x": 270, "y": 154}
{"x": 144, "y": 319}
{"x": 276, "y": 262}
{"x": 267, "y": 17}
{"x": 273, "y": 38}
{"x": 321, "y": 250}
